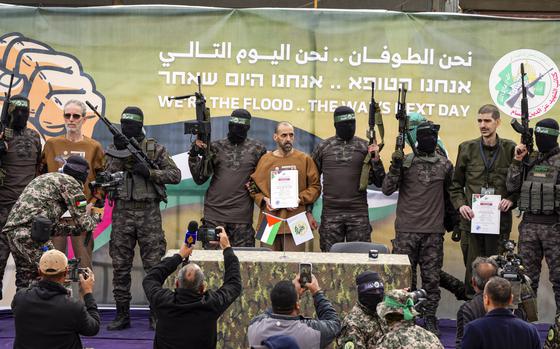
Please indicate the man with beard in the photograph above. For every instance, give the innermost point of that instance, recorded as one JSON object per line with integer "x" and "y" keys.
{"x": 481, "y": 168}
{"x": 362, "y": 327}
{"x": 227, "y": 202}
{"x": 55, "y": 153}
{"x": 539, "y": 200}
{"x": 285, "y": 157}
{"x": 420, "y": 179}
{"x": 20, "y": 156}
{"x": 136, "y": 214}
{"x": 340, "y": 159}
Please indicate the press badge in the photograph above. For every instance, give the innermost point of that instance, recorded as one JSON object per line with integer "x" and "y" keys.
{"x": 487, "y": 191}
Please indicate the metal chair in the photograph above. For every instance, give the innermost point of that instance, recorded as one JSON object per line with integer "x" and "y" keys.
{"x": 358, "y": 247}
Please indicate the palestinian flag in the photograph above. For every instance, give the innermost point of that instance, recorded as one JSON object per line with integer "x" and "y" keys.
{"x": 269, "y": 228}
{"x": 81, "y": 203}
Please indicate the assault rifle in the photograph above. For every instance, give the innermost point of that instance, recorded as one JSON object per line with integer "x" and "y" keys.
{"x": 133, "y": 147}
{"x": 375, "y": 118}
{"x": 402, "y": 118}
{"x": 4, "y": 118}
{"x": 523, "y": 128}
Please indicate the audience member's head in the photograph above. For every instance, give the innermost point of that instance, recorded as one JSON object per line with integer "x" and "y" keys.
{"x": 497, "y": 293}
{"x": 370, "y": 289}
{"x": 482, "y": 270}
{"x": 284, "y": 298}
{"x": 396, "y": 306}
{"x": 53, "y": 266}
{"x": 191, "y": 277}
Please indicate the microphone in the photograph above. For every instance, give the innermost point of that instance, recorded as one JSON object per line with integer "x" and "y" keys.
{"x": 191, "y": 234}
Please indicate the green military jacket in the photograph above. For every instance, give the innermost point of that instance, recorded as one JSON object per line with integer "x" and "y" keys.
{"x": 470, "y": 173}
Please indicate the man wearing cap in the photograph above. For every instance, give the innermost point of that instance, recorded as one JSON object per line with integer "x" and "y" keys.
{"x": 227, "y": 202}
{"x": 56, "y": 151}
{"x": 539, "y": 200}
{"x": 421, "y": 178}
{"x": 20, "y": 156}
{"x": 398, "y": 311}
{"x": 48, "y": 196}
{"x": 285, "y": 318}
{"x": 45, "y": 314}
{"x": 340, "y": 159}
{"x": 136, "y": 214}
{"x": 362, "y": 327}
{"x": 481, "y": 168}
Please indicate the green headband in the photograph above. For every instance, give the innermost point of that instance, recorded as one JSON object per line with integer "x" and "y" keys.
{"x": 20, "y": 103}
{"x": 547, "y": 131}
{"x": 241, "y": 121}
{"x": 133, "y": 117}
{"x": 344, "y": 117}
{"x": 392, "y": 303}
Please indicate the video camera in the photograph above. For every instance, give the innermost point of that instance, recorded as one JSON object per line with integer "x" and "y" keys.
{"x": 106, "y": 180}
{"x": 203, "y": 234}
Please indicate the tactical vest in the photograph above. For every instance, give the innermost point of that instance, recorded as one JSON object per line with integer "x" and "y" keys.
{"x": 539, "y": 192}
{"x": 138, "y": 188}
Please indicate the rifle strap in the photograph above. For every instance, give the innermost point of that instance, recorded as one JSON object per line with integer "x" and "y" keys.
{"x": 380, "y": 127}
{"x": 364, "y": 175}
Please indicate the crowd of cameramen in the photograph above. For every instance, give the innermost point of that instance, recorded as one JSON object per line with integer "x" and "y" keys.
{"x": 45, "y": 197}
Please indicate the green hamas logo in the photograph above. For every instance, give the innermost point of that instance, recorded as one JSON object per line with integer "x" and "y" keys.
{"x": 541, "y": 81}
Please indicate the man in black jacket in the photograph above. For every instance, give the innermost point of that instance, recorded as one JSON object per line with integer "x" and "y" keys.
{"x": 45, "y": 314}
{"x": 190, "y": 313}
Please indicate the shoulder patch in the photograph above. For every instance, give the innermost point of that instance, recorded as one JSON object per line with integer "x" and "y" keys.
{"x": 79, "y": 201}
{"x": 550, "y": 335}
{"x": 349, "y": 345}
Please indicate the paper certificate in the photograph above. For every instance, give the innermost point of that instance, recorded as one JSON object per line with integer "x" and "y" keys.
{"x": 486, "y": 214}
{"x": 284, "y": 190}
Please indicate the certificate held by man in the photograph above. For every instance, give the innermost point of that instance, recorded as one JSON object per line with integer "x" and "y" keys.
{"x": 284, "y": 188}
{"x": 486, "y": 214}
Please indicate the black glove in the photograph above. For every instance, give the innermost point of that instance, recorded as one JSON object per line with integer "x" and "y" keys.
{"x": 196, "y": 150}
{"x": 120, "y": 141}
{"x": 141, "y": 170}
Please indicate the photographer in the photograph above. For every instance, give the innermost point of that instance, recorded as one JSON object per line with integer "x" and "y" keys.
{"x": 45, "y": 314}
{"x": 398, "y": 310}
{"x": 284, "y": 317}
{"x": 190, "y": 303}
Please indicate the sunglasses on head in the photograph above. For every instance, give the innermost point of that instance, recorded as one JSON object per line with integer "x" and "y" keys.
{"x": 73, "y": 116}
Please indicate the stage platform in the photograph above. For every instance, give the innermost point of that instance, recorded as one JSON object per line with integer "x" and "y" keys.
{"x": 139, "y": 336}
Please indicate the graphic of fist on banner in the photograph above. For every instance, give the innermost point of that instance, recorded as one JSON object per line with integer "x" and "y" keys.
{"x": 49, "y": 79}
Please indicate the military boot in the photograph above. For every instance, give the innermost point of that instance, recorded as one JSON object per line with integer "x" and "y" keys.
{"x": 122, "y": 320}
{"x": 431, "y": 324}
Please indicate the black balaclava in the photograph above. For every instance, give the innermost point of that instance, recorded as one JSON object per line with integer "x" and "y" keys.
{"x": 239, "y": 124}
{"x": 345, "y": 122}
{"x": 77, "y": 167}
{"x": 546, "y": 135}
{"x": 426, "y": 136}
{"x": 132, "y": 121}
{"x": 18, "y": 112}
{"x": 370, "y": 290}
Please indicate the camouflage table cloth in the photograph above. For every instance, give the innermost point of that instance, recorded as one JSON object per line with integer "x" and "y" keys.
{"x": 335, "y": 273}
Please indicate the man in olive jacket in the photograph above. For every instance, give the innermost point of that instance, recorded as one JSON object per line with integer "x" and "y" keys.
{"x": 481, "y": 168}
{"x": 189, "y": 314}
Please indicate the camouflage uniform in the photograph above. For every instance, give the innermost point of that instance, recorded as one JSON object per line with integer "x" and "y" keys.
{"x": 345, "y": 209}
{"x": 20, "y": 161}
{"x": 539, "y": 233}
{"x": 227, "y": 202}
{"x": 552, "y": 338}
{"x": 136, "y": 214}
{"x": 49, "y": 195}
{"x": 360, "y": 329}
{"x": 403, "y": 334}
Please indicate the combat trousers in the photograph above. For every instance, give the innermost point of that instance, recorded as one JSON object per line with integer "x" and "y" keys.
{"x": 4, "y": 245}
{"x": 426, "y": 250}
{"x": 343, "y": 227}
{"x": 131, "y": 225}
{"x": 27, "y": 254}
{"x": 484, "y": 245}
{"x": 535, "y": 242}
{"x": 239, "y": 234}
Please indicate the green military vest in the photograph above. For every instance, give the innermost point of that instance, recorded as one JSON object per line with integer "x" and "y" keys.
{"x": 539, "y": 192}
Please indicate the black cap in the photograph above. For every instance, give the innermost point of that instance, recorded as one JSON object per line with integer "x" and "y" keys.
{"x": 77, "y": 167}
{"x": 283, "y": 296}
{"x": 369, "y": 282}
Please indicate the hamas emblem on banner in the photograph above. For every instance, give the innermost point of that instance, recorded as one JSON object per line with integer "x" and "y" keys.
{"x": 542, "y": 82}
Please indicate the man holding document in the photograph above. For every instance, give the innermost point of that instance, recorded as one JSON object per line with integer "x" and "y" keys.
{"x": 287, "y": 180}
{"x": 481, "y": 170}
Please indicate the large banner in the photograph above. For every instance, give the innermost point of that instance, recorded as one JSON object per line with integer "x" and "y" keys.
{"x": 294, "y": 65}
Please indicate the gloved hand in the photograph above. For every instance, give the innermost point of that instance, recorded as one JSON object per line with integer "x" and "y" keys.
{"x": 120, "y": 141}
{"x": 196, "y": 150}
{"x": 141, "y": 170}
{"x": 397, "y": 157}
